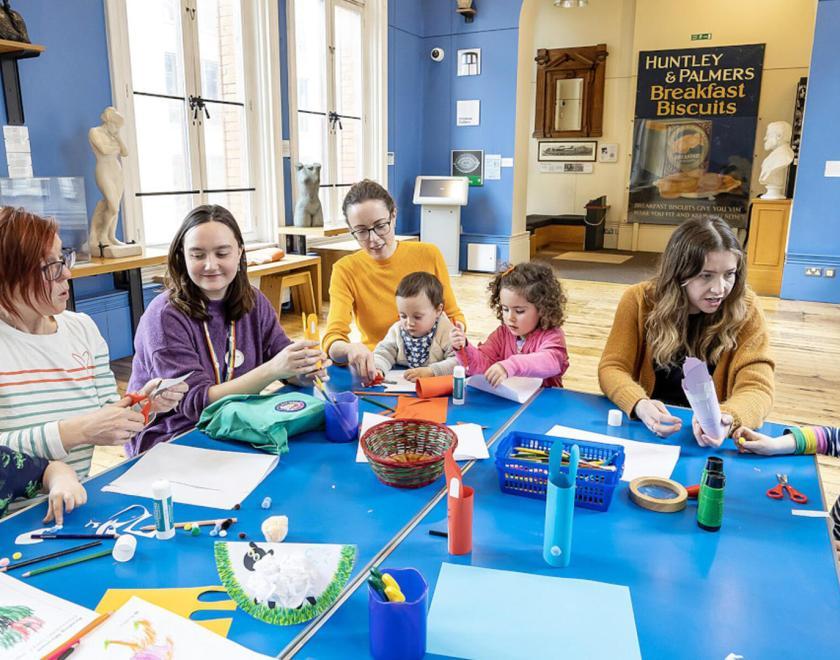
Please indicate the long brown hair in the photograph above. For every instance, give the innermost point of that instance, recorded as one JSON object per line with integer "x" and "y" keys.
{"x": 25, "y": 242}
{"x": 536, "y": 283}
{"x": 184, "y": 293}
{"x": 666, "y": 327}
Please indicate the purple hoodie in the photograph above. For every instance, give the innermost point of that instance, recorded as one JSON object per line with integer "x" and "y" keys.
{"x": 169, "y": 344}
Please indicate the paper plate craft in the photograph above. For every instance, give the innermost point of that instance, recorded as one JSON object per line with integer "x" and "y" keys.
{"x": 284, "y": 583}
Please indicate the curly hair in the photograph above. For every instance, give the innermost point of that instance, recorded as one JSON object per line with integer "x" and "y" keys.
{"x": 666, "y": 327}
{"x": 536, "y": 283}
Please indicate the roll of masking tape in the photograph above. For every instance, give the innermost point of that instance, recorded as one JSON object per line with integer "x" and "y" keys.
{"x": 124, "y": 547}
{"x": 614, "y": 417}
{"x": 658, "y": 494}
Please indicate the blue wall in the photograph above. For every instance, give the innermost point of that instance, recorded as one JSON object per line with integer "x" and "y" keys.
{"x": 815, "y": 226}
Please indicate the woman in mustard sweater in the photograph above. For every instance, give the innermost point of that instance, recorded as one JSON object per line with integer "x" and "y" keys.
{"x": 697, "y": 305}
{"x": 362, "y": 285}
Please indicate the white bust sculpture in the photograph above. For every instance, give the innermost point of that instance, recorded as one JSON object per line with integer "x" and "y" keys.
{"x": 774, "y": 167}
{"x": 108, "y": 147}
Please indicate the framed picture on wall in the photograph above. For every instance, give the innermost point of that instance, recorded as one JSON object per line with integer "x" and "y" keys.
{"x": 568, "y": 150}
{"x": 469, "y": 62}
{"x": 468, "y": 163}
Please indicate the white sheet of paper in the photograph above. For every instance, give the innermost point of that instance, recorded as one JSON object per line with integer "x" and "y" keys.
{"x": 810, "y": 513}
{"x": 516, "y": 388}
{"x": 400, "y": 384}
{"x": 166, "y": 383}
{"x": 158, "y": 631}
{"x": 471, "y": 442}
{"x": 204, "y": 477}
{"x": 492, "y": 167}
{"x": 641, "y": 459}
{"x": 49, "y": 620}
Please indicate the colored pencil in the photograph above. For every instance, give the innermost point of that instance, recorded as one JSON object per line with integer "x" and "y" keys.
{"x": 70, "y": 645}
{"x": 60, "y": 535}
{"x": 437, "y": 532}
{"x": 69, "y": 562}
{"x": 390, "y": 394}
{"x": 376, "y": 403}
{"x": 199, "y": 523}
{"x": 52, "y": 555}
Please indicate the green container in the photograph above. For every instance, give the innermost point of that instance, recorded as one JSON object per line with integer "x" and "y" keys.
{"x": 710, "y": 501}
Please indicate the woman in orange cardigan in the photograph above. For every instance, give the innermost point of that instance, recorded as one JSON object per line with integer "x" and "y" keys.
{"x": 697, "y": 305}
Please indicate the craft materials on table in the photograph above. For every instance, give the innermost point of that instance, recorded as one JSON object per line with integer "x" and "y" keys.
{"x": 435, "y": 386}
{"x": 397, "y": 607}
{"x": 142, "y": 403}
{"x": 641, "y": 459}
{"x": 124, "y": 548}
{"x": 710, "y": 501}
{"x": 472, "y": 615}
{"x": 459, "y": 507}
{"x": 657, "y": 494}
{"x": 194, "y": 523}
{"x": 149, "y": 631}
{"x": 471, "y": 442}
{"x": 778, "y": 491}
{"x": 34, "y": 623}
{"x": 700, "y": 391}
{"x": 560, "y": 505}
{"x": 516, "y": 388}
{"x": 69, "y": 562}
{"x": 44, "y": 536}
{"x": 51, "y": 555}
{"x": 395, "y": 381}
{"x": 284, "y": 583}
{"x": 204, "y": 477}
{"x": 430, "y": 410}
{"x": 376, "y": 403}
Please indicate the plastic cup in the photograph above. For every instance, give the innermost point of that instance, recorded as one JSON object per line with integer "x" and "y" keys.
{"x": 398, "y": 630}
{"x": 342, "y": 417}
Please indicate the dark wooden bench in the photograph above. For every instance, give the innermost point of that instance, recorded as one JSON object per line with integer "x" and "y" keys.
{"x": 574, "y": 232}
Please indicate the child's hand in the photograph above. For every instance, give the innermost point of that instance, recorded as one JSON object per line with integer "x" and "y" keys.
{"x": 706, "y": 440}
{"x": 749, "y": 441}
{"x": 411, "y": 375}
{"x": 496, "y": 374}
{"x": 457, "y": 336}
{"x": 65, "y": 491}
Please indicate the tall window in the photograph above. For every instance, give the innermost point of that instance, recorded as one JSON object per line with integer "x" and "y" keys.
{"x": 187, "y": 79}
{"x": 338, "y": 116}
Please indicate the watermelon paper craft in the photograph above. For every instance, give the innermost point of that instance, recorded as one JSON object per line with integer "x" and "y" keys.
{"x": 284, "y": 583}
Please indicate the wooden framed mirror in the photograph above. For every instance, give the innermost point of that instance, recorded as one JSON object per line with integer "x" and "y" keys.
{"x": 570, "y": 92}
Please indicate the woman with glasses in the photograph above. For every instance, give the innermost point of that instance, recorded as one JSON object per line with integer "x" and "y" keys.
{"x": 698, "y": 305}
{"x": 362, "y": 285}
{"x": 58, "y": 397}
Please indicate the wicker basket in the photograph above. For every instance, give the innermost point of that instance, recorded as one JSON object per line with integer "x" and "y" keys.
{"x": 407, "y": 453}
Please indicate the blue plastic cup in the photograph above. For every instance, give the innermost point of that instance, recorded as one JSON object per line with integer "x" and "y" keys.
{"x": 398, "y": 630}
{"x": 342, "y": 417}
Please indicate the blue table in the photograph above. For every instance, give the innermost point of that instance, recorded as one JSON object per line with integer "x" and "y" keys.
{"x": 763, "y": 586}
{"x": 328, "y": 497}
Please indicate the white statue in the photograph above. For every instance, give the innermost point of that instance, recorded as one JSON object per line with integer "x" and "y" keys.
{"x": 775, "y": 166}
{"x": 108, "y": 147}
{"x": 308, "y": 211}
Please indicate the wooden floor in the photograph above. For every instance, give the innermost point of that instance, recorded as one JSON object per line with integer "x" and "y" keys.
{"x": 805, "y": 339}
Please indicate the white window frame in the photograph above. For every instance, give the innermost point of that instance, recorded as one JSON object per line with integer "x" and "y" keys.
{"x": 263, "y": 93}
{"x": 375, "y": 80}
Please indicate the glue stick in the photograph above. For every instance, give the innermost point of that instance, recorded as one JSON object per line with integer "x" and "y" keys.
{"x": 164, "y": 522}
{"x": 458, "y": 385}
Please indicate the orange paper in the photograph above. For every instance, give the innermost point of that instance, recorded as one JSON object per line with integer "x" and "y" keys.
{"x": 431, "y": 410}
{"x": 459, "y": 509}
{"x": 434, "y": 386}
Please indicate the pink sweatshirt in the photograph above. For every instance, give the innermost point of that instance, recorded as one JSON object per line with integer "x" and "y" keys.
{"x": 543, "y": 355}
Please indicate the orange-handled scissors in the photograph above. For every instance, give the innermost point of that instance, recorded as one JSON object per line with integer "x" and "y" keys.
{"x": 141, "y": 403}
{"x": 778, "y": 491}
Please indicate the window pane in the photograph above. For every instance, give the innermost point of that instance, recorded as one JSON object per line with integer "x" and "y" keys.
{"x": 312, "y": 146}
{"x": 220, "y": 48}
{"x": 348, "y": 61}
{"x": 162, "y": 151}
{"x": 225, "y": 147}
{"x": 238, "y": 203}
{"x": 336, "y": 218}
{"x": 162, "y": 215}
{"x": 349, "y": 151}
{"x": 310, "y": 55}
{"x": 157, "y": 63}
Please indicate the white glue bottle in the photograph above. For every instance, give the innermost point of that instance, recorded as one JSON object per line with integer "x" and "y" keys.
{"x": 164, "y": 523}
{"x": 459, "y": 384}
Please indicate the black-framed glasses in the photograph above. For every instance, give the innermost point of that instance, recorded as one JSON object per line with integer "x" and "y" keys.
{"x": 54, "y": 269}
{"x": 380, "y": 229}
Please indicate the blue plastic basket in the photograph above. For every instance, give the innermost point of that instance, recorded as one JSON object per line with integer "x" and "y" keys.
{"x": 529, "y": 478}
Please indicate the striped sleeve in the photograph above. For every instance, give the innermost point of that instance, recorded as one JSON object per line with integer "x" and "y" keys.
{"x": 40, "y": 440}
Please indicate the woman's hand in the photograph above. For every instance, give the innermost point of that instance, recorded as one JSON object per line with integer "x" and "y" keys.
{"x": 653, "y": 414}
{"x": 111, "y": 425}
{"x": 307, "y": 380}
{"x": 360, "y": 360}
{"x": 457, "y": 336}
{"x": 496, "y": 374}
{"x": 411, "y": 375}
{"x": 65, "y": 491}
{"x": 706, "y": 440}
{"x": 297, "y": 359}
{"x": 167, "y": 399}
{"x": 749, "y": 441}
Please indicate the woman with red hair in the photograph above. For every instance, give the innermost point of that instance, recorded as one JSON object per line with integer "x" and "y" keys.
{"x": 58, "y": 396}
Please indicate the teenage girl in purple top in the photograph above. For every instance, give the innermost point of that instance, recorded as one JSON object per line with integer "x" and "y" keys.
{"x": 213, "y": 323}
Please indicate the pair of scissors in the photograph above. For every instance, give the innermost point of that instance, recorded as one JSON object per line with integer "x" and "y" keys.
{"x": 141, "y": 403}
{"x": 778, "y": 491}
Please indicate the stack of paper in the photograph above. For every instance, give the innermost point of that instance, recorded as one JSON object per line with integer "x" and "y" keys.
{"x": 516, "y": 388}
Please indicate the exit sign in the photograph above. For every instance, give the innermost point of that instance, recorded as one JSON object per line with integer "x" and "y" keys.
{"x": 701, "y": 36}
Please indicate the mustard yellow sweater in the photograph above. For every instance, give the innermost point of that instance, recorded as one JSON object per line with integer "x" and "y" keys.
{"x": 363, "y": 289}
{"x": 743, "y": 377}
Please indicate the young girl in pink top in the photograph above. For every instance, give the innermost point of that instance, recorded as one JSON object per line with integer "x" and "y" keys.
{"x": 529, "y": 302}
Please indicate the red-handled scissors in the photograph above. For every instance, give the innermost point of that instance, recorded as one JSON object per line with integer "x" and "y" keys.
{"x": 778, "y": 491}
{"x": 142, "y": 404}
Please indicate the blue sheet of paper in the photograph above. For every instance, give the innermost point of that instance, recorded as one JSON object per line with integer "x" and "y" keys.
{"x": 485, "y": 613}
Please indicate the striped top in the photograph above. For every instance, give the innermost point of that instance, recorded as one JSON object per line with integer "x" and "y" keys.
{"x": 47, "y": 378}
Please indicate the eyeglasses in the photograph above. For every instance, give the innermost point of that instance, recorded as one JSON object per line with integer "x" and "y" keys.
{"x": 381, "y": 229}
{"x": 54, "y": 269}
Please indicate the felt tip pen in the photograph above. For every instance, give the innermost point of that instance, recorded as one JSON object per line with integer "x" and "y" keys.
{"x": 59, "y": 535}
{"x": 437, "y": 532}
